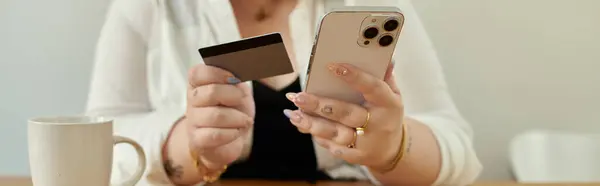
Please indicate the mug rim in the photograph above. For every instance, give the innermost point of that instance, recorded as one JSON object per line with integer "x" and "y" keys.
{"x": 69, "y": 120}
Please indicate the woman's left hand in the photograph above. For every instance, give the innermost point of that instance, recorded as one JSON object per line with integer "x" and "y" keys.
{"x": 333, "y": 123}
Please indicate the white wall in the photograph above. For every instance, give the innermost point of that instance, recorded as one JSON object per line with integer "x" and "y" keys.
{"x": 512, "y": 65}
{"x": 515, "y": 65}
{"x": 46, "y": 52}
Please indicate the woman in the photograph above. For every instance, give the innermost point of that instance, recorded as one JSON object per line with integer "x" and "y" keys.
{"x": 194, "y": 124}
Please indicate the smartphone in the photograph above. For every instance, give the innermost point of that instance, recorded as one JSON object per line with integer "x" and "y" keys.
{"x": 365, "y": 37}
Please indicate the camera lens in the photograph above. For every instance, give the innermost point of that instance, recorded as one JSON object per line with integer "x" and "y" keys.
{"x": 386, "y": 40}
{"x": 390, "y": 25}
{"x": 371, "y": 33}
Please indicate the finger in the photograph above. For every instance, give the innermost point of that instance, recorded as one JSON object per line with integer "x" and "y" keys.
{"x": 374, "y": 90}
{"x": 220, "y": 117}
{"x": 345, "y": 113}
{"x": 303, "y": 131}
{"x": 390, "y": 78}
{"x": 206, "y": 138}
{"x": 321, "y": 127}
{"x": 216, "y": 158}
{"x": 215, "y": 95}
{"x": 389, "y": 71}
{"x": 203, "y": 74}
{"x": 351, "y": 155}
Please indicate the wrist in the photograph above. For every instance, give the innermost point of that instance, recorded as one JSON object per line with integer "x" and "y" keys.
{"x": 177, "y": 163}
{"x": 396, "y": 152}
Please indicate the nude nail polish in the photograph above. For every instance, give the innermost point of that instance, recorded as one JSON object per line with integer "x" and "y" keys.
{"x": 291, "y": 96}
{"x": 296, "y": 118}
{"x": 300, "y": 99}
{"x": 287, "y": 113}
{"x": 338, "y": 70}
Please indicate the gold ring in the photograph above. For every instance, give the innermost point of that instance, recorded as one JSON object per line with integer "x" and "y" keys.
{"x": 361, "y": 130}
{"x": 353, "y": 144}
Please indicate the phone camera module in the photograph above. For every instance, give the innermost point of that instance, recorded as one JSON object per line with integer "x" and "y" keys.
{"x": 386, "y": 40}
{"x": 370, "y": 33}
{"x": 391, "y": 25}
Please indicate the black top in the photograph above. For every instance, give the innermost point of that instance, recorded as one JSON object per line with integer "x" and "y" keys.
{"x": 279, "y": 151}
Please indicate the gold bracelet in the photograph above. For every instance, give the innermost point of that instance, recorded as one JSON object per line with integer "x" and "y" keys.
{"x": 402, "y": 150}
{"x": 207, "y": 177}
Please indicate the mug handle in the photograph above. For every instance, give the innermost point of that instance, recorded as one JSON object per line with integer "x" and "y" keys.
{"x": 141, "y": 159}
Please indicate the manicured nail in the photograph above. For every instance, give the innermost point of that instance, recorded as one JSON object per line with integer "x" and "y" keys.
{"x": 338, "y": 69}
{"x": 287, "y": 113}
{"x": 291, "y": 96}
{"x": 300, "y": 99}
{"x": 295, "y": 117}
{"x": 233, "y": 80}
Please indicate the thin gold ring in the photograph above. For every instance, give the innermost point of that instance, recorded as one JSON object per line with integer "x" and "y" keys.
{"x": 353, "y": 144}
{"x": 361, "y": 130}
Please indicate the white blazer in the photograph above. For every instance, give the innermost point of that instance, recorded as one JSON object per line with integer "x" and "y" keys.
{"x": 146, "y": 47}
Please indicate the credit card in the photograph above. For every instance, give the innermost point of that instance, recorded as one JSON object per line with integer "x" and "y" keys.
{"x": 251, "y": 58}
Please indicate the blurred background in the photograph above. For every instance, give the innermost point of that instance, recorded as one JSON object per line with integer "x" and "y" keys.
{"x": 512, "y": 66}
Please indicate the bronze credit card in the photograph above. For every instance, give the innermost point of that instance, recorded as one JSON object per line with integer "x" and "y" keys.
{"x": 252, "y": 58}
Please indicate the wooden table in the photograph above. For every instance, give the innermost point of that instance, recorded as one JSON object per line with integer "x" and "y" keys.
{"x": 25, "y": 181}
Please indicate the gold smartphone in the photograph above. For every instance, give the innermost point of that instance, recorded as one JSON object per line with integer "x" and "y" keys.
{"x": 362, "y": 36}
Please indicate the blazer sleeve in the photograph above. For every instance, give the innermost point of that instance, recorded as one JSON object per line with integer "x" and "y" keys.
{"x": 119, "y": 90}
{"x": 426, "y": 97}
{"x": 425, "y": 93}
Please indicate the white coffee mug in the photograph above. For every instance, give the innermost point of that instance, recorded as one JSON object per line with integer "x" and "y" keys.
{"x": 75, "y": 151}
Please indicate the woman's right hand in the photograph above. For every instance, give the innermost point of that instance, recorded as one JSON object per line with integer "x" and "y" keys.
{"x": 220, "y": 112}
